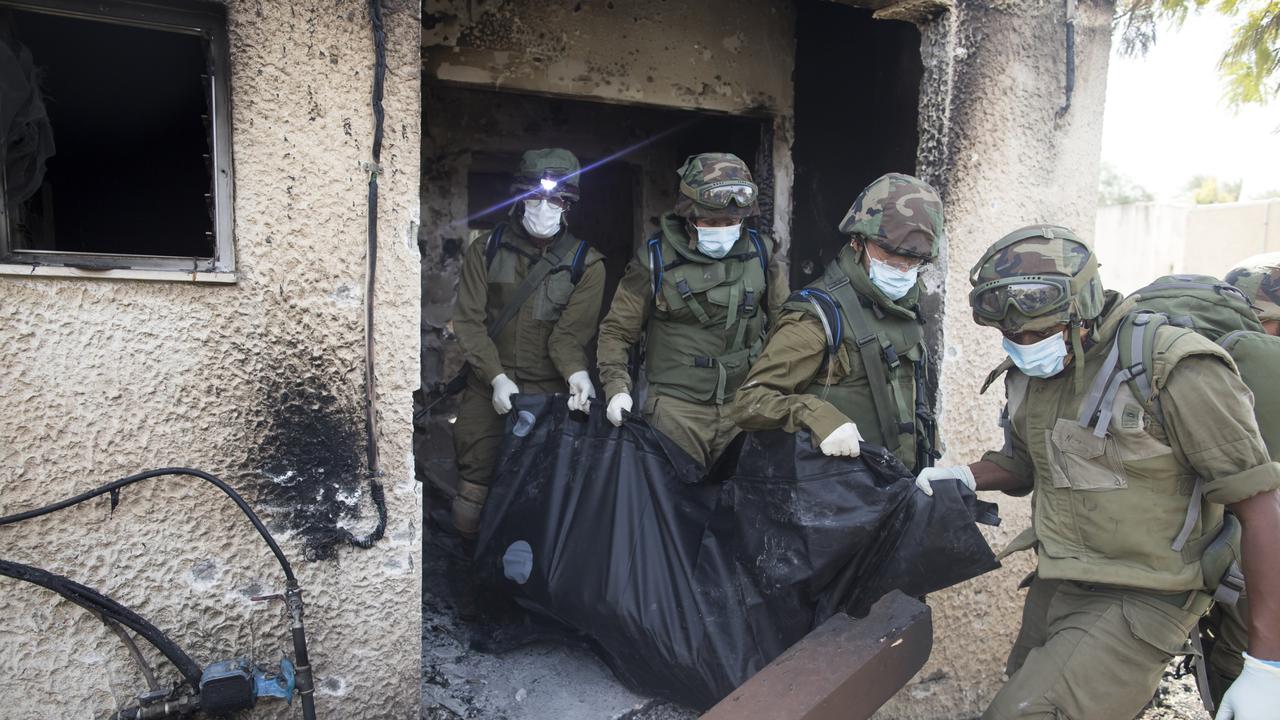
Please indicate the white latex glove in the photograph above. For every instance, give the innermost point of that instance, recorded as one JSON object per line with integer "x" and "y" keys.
{"x": 844, "y": 440}
{"x": 503, "y": 389}
{"x": 953, "y": 472}
{"x": 1253, "y": 696}
{"x": 618, "y": 404}
{"x": 580, "y": 391}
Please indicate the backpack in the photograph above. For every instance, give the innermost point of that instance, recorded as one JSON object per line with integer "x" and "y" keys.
{"x": 1202, "y": 304}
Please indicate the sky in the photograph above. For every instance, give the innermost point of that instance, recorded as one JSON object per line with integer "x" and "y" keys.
{"x": 1165, "y": 120}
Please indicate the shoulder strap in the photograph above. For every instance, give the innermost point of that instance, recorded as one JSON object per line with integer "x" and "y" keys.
{"x": 655, "y": 262}
{"x": 873, "y": 354}
{"x": 1128, "y": 361}
{"x": 828, "y": 311}
{"x": 578, "y": 265}
{"x": 492, "y": 245}
{"x": 762, "y": 252}
{"x": 1228, "y": 341}
{"x": 548, "y": 261}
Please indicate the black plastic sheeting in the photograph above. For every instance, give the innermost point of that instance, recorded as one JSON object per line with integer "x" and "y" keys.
{"x": 689, "y": 585}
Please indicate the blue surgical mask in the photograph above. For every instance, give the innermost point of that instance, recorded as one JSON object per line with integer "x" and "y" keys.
{"x": 1040, "y": 359}
{"x": 716, "y": 242}
{"x": 894, "y": 283}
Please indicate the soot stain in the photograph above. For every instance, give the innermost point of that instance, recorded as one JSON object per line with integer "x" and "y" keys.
{"x": 311, "y": 462}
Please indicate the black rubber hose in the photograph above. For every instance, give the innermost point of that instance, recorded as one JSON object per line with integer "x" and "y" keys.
{"x": 379, "y": 115}
{"x": 112, "y": 487}
{"x": 87, "y": 597}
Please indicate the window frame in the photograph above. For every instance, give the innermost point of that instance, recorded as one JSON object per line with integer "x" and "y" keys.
{"x": 209, "y": 23}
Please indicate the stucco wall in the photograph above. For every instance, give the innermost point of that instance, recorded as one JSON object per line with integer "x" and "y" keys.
{"x": 994, "y": 145}
{"x": 1141, "y": 241}
{"x": 260, "y": 382}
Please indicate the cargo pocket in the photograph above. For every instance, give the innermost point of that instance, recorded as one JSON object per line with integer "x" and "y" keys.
{"x": 1156, "y": 627}
{"x": 1082, "y": 460}
{"x": 554, "y": 295}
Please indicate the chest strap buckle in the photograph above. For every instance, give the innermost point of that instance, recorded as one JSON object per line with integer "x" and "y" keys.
{"x": 704, "y": 362}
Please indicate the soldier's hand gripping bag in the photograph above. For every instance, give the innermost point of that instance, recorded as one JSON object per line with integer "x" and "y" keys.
{"x": 689, "y": 582}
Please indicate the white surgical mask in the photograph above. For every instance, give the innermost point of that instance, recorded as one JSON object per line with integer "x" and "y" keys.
{"x": 894, "y": 283}
{"x": 541, "y": 218}
{"x": 716, "y": 242}
{"x": 1040, "y": 359}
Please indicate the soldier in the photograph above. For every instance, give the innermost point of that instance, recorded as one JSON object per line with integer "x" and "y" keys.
{"x": 867, "y": 384}
{"x": 1259, "y": 278}
{"x": 1128, "y": 520}
{"x": 527, "y": 306}
{"x": 700, "y": 290}
{"x": 1255, "y": 355}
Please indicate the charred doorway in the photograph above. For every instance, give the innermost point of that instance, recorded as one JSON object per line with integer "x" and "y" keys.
{"x": 857, "y": 85}
{"x": 473, "y": 140}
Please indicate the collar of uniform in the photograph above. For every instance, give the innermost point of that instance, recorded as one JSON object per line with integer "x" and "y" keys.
{"x": 850, "y": 262}
{"x": 1114, "y": 310}
{"x": 675, "y": 229}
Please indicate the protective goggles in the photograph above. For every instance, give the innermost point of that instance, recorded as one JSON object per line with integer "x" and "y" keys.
{"x": 1031, "y": 295}
{"x": 719, "y": 195}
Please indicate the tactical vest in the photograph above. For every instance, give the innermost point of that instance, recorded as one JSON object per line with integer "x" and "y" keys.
{"x": 1111, "y": 498}
{"x": 707, "y": 323}
{"x": 887, "y": 363}
{"x": 567, "y": 256}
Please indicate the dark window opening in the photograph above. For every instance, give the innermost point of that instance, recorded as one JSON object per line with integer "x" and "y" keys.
{"x": 622, "y": 198}
{"x": 135, "y": 119}
{"x": 857, "y": 84}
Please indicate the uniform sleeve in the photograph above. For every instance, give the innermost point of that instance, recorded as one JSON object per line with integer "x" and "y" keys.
{"x": 1208, "y": 413}
{"x": 469, "y": 314}
{"x": 568, "y": 340}
{"x": 1013, "y": 458}
{"x": 772, "y": 395}
{"x": 622, "y": 327}
{"x": 779, "y": 286}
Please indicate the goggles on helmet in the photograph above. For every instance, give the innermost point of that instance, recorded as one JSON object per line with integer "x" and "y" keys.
{"x": 719, "y": 195}
{"x": 1031, "y": 295}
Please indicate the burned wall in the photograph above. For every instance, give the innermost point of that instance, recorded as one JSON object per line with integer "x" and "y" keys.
{"x": 1000, "y": 143}
{"x": 260, "y": 382}
{"x": 720, "y": 55}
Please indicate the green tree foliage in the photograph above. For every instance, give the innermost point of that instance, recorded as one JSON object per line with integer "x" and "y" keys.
{"x": 1117, "y": 189}
{"x": 1250, "y": 65}
{"x": 1207, "y": 190}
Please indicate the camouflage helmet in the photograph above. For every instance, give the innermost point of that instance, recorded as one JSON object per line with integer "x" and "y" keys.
{"x": 716, "y": 185}
{"x": 899, "y": 213}
{"x": 549, "y": 171}
{"x": 1035, "y": 278}
{"x": 1259, "y": 278}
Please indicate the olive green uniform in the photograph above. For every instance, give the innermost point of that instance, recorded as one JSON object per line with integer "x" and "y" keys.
{"x": 789, "y": 386}
{"x": 703, "y": 330}
{"x": 538, "y": 349}
{"x": 1112, "y": 601}
{"x": 1256, "y": 357}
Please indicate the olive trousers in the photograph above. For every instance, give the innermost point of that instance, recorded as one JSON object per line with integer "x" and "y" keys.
{"x": 703, "y": 430}
{"x": 1092, "y": 652}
